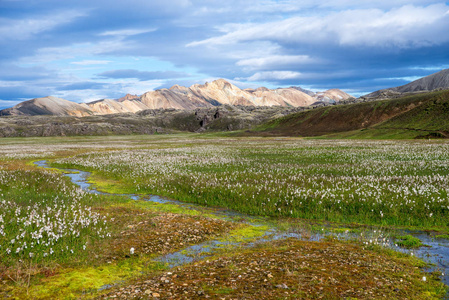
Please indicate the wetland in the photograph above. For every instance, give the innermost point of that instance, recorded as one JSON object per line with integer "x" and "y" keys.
{"x": 198, "y": 216}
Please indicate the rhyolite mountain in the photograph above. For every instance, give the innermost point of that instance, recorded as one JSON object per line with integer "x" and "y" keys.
{"x": 435, "y": 81}
{"x": 48, "y": 106}
{"x": 208, "y": 95}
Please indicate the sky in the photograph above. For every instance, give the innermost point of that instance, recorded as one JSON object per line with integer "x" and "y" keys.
{"x": 86, "y": 50}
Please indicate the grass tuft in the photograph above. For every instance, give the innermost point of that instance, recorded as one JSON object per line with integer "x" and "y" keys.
{"x": 408, "y": 241}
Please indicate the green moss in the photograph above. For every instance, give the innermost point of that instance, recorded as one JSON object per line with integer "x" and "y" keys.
{"x": 442, "y": 236}
{"x": 224, "y": 290}
{"x": 72, "y": 283}
{"x": 408, "y": 241}
{"x": 107, "y": 185}
{"x": 245, "y": 233}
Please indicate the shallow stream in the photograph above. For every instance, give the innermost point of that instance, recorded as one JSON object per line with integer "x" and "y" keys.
{"x": 435, "y": 252}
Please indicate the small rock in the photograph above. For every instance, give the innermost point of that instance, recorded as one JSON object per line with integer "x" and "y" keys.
{"x": 156, "y": 295}
{"x": 270, "y": 276}
{"x": 148, "y": 292}
{"x": 282, "y": 286}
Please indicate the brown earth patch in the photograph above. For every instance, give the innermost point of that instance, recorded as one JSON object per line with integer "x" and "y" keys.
{"x": 287, "y": 269}
{"x": 158, "y": 233}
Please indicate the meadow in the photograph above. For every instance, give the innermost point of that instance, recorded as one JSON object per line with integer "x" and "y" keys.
{"x": 391, "y": 183}
{"x": 58, "y": 241}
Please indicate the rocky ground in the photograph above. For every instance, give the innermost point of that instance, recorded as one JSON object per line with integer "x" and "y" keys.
{"x": 285, "y": 269}
{"x": 158, "y": 233}
{"x": 221, "y": 118}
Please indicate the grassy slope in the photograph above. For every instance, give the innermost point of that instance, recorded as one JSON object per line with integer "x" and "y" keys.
{"x": 425, "y": 115}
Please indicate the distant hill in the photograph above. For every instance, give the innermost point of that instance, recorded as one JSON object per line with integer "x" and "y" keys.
{"x": 421, "y": 115}
{"x": 208, "y": 95}
{"x": 48, "y": 106}
{"x": 436, "y": 81}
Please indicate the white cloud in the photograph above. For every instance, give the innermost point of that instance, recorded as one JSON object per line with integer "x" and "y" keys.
{"x": 91, "y": 62}
{"x": 431, "y": 68}
{"x": 127, "y": 32}
{"x": 381, "y": 4}
{"x": 406, "y": 26}
{"x": 405, "y": 78}
{"x": 49, "y": 54}
{"x": 274, "y": 75}
{"x": 275, "y": 61}
{"x": 9, "y": 103}
{"x": 252, "y": 6}
{"x": 25, "y": 28}
{"x": 119, "y": 88}
{"x": 260, "y": 8}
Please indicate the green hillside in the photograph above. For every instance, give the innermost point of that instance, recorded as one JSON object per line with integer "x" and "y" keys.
{"x": 418, "y": 116}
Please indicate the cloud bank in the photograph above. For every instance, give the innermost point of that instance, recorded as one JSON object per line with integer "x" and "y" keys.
{"x": 87, "y": 49}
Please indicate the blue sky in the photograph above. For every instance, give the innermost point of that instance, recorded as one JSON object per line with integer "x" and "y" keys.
{"x": 87, "y": 50}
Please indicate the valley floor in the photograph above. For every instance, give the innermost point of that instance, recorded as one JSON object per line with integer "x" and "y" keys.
{"x": 266, "y": 214}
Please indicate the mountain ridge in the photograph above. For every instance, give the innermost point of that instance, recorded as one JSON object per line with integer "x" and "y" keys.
{"x": 432, "y": 82}
{"x": 216, "y": 93}
{"x": 48, "y": 106}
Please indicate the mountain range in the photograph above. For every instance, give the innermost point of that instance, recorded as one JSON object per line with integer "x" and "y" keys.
{"x": 419, "y": 109}
{"x": 208, "y": 95}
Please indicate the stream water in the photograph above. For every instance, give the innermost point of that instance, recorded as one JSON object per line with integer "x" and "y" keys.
{"x": 435, "y": 252}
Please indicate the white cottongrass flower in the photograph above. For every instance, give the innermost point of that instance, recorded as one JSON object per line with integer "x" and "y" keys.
{"x": 131, "y": 251}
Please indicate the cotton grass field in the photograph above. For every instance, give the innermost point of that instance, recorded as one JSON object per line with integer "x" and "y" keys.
{"x": 398, "y": 183}
{"x": 58, "y": 241}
